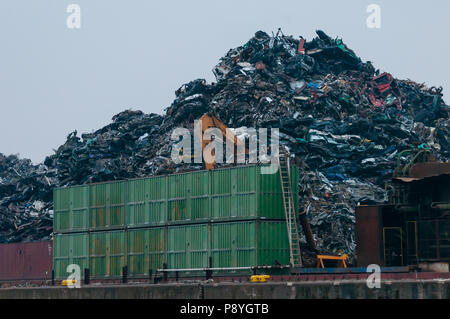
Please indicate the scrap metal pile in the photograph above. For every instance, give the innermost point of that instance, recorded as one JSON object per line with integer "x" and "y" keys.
{"x": 344, "y": 121}
{"x": 26, "y": 207}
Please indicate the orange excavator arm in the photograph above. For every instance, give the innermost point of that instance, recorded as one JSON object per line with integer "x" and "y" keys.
{"x": 210, "y": 121}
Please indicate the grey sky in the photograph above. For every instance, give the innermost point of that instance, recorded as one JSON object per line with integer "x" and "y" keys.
{"x": 136, "y": 53}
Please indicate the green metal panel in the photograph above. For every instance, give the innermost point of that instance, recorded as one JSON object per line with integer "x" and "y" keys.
{"x": 233, "y": 193}
{"x": 223, "y": 245}
{"x": 61, "y": 221}
{"x": 157, "y": 248}
{"x": 197, "y": 246}
{"x": 158, "y": 212}
{"x": 273, "y": 243}
{"x": 138, "y": 206}
{"x": 107, "y": 204}
{"x": 244, "y": 205}
{"x": 199, "y": 195}
{"x": 178, "y": 185}
{"x": 79, "y": 208}
{"x": 146, "y": 250}
{"x": 233, "y": 244}
{"x": 71, "y": 209}
{"x": 220, "y": 206}
{"x": 243, "y": 192}
{"x": 157, "y": 194}
{"x": 157, "y": 188}
{"x": 187, "y": 246}
{"x": 79, "y": 252}
{"x": 116, "y": 253}
{"x": 97, "y": 254}
{"x": 270, "y": 202}
{"x": 117, "y": 198}
{"x": 220, "y": 182}
{"x": 61, "y": 256}
{"x": 70, "y": 249}
{"x": 178, "y": 193}
{"x": 137, "y": 259}
{"x": 176, "y": 247}
{"x": 98, "y": 205}
{"x": 270, "y": 196}
{"x": 244, "y": 187}
{"x": 249, "y": 244}
{"x": 230, "y": 244}
{"x": 246, "y": 249}
{"x": 219, "y": 195}
{"x": 177, "y": 210}
{"x": 146, "y": 202}
{"x": 107, "y": 253}
{"x": 245, "y": 179}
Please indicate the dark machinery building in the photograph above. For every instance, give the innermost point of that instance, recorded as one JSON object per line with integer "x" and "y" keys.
{"x": 414, "y": 228}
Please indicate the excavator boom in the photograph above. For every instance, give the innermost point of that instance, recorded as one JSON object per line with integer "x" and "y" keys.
{"x": 210, "y": 121}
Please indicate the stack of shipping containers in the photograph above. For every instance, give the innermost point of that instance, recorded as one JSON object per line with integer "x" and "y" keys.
{"x": 230, "y": 217}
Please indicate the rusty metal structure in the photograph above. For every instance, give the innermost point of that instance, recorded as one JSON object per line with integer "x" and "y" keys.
{"x": 210, "y": 121}
{"x": 26, "y": 261}
{"x": 413, "y": 229}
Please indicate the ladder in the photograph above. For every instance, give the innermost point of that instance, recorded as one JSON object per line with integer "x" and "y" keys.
{"x": 289, "y": 210}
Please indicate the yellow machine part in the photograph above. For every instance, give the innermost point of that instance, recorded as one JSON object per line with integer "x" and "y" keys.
{"x": 66, "y": 283}
{"x": 341, "y": 259}
{"x": 210, "y": 121}
{"x": 259, "y": 278}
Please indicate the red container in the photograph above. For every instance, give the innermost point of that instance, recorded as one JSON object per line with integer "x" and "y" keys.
{"x": 26, "y": 261}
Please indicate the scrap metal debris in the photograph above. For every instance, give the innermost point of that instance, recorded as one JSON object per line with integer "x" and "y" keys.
{"x": 344, "y": 121}
{"x": 26, "y": 204}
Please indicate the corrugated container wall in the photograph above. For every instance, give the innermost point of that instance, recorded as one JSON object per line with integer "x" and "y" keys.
{"x": 69, "y": 249}
{"x": 219, "y": 195}
{"x": 232, "y": 217}
{"x": 230, "y": 244}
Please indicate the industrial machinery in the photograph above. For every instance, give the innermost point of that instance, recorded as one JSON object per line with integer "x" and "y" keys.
{"x": 413, "y": 229}
{"x": 226, "y": 220}
{"x": 209, "y": 121}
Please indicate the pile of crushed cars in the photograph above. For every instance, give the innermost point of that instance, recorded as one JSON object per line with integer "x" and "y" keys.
{"x": 343, "y": 120}
{"x": 26, "y": 207}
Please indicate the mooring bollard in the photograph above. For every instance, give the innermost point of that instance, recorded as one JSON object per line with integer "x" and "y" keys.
{"x": 165, "y": 273}
{"x": 87, "y": 278}
{"x": 124, "y": 274}
{"x": 209, "y": 271}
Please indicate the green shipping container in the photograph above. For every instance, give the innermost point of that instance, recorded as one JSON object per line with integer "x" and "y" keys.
{"x": 71, "y": 207}
{"x": 146, "y": 202}
{"x": 107, "y": 204}
{"x": 188, "y": 246}
{"x": 70, "y": 249}
{"x": 230, "y": 244}
{"x": 146, "y": 250}
{"x": 251, "y": 243}
{"x": 107, "y": 252}
{"x": 231, "y": 194}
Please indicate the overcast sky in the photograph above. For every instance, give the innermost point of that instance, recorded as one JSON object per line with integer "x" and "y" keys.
{"x": 136, "y": 53}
